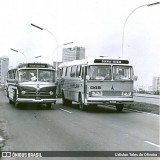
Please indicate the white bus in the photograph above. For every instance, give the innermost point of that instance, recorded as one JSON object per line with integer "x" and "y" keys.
{"x": 32, "y": 83}
{"x": 95, "y": 81}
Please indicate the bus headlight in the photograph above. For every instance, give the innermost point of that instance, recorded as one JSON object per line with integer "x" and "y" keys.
{"x": 51, "y": 93}
{"x": 23, "y": 92}
{"x": 127, "y": 94}
{"x": 97, "y": 93}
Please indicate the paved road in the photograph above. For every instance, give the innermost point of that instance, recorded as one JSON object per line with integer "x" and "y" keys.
{"x": 147, "y": 98}
{"x": 69, "y": 129}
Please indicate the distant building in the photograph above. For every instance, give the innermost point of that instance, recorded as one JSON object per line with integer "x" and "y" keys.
{"x": 4, "y": 63}
{"x": 156, "y": 84}
{"x": 75, "y": 53}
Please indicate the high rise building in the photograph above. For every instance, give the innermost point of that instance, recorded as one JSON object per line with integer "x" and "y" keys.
{"x": 75, "y": 53}
{"x": 4, "y": 63}
{"x": 156, "y": 84}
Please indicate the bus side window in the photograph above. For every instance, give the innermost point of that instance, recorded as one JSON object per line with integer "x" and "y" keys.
{"x": 82, "y": 72}
{"x": 63, "y": 72}
{"x": 73, "y": 71}
{"x": 68, "y": 71}
{"x": 78, "y": 71}
{"x": 16, "y": 75}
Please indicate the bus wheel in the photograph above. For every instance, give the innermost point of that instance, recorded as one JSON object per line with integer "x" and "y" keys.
{"x": 119, "y": 107}
{"x": 69, "y": 102}
{"x": 81, "y": 104}
{"x": 64, "y": 101}
{"x": 49, "y": 105}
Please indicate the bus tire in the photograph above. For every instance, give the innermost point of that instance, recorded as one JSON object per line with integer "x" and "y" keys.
{"x": 81, "y": 104}
{"x": 64, "y": 101}
{"x": 119, "y": 107}
{"x": 69, "y": 102}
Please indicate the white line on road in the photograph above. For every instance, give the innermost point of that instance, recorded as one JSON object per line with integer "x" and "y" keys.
{"x": 1, "y": 139}
{"x": 142, "y": 112}
{"x": 65, "y": 110}
{"x": 152, "y": 144}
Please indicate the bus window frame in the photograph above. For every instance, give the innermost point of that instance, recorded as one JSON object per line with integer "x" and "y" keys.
{"x": 131, "y": 73}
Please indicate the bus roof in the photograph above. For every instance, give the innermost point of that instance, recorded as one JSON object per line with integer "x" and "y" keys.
{"x": 97, "y": 60}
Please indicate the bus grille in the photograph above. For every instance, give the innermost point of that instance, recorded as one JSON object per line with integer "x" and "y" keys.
{"x": 112, "y": 93}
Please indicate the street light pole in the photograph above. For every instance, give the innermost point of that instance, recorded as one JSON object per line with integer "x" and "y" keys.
{"x": 148, "y": 5}
{"x": 51, "y": 35}
{"x": 19, "y": 52}
{"x": 64, "y": 44}
{"x": 38, "y": 57}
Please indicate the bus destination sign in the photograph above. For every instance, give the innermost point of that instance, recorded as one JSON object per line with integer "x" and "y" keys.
{"x": 34, "y": 65}
{"x": 111, "y": 61}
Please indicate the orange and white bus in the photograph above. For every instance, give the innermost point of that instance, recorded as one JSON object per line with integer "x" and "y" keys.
{"x": 32, "y": 83}
{"x": 101, "y": 80}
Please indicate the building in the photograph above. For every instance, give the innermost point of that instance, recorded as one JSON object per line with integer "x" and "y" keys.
{"x": 75, "y": 53}
{"x": 4, "y": 63}
{"x": 156, "y": 84}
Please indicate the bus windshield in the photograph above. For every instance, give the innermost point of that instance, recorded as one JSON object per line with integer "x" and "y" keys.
{"x": 100, "y": 72}
{"x": 122, "y": 73}
{"x": 46, "y": 75}
{"x": 33, "y": 75}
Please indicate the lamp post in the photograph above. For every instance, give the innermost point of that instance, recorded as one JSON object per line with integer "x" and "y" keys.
{"x": 19, "y": 52}
{"x": 38, "y": 57}
{"x": 145, "y": 5}
{"x": 50, "y": 34}
{"x": 64, "y": 44}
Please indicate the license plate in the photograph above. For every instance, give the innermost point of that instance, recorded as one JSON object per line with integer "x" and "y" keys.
{"x": 112, "y": 101}
{"x": 38, "y": 98}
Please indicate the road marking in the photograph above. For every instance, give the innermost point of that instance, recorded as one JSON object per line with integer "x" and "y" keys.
{"x": 65, "y": 110}
{"x": 152, "y": 144}
{"x": 1, "y": 139}
{"x": 142, "y": 112}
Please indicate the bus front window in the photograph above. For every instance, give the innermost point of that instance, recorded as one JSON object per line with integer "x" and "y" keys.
{"x": 46, "y": 75}
{"x": 27, "y": 75}
{"x": 100, "y": 73}
{"x": 122, "y": 73}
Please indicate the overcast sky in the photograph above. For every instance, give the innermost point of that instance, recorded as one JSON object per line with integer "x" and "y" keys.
{"x": 96, "y": 25}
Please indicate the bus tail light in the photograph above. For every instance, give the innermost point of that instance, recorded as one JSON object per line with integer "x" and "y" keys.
{"x": 127, "y": 94}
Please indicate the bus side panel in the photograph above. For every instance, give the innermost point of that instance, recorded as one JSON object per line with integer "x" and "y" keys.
{"x": 11, "y": 92}
{"x": 72, "y": 88}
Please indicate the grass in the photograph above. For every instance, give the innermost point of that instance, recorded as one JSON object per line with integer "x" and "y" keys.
{"x": 145, "y": 107}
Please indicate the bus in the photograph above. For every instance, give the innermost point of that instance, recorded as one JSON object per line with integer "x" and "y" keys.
{"x": 32, "y": 83}
{"x": 96, "y": 81}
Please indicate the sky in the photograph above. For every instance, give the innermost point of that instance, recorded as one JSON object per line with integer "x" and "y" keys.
{"x": 96, "y": 25}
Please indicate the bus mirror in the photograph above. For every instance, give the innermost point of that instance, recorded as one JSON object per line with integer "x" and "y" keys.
{"x": 87, "y": 77}
{"x": 135, "y": 78}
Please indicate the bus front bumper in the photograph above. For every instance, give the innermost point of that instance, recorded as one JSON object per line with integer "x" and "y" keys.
{"x": 108, "y": 100}
{"x": 32, "y": 100}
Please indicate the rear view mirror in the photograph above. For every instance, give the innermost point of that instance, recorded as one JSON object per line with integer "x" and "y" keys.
{"x": 135, "y": 78}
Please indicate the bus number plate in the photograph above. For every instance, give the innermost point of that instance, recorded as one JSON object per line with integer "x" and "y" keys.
{"x": 38, "y": 98}
{"x": 113, "y": 102}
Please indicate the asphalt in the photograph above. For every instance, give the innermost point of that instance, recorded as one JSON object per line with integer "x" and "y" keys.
{"x": 144, "y": 107}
